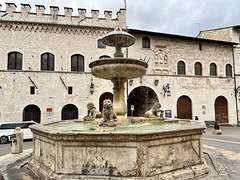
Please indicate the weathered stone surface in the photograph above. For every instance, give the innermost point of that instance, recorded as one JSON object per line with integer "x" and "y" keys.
{"x": 142, "y": 154}
{"x": 153, "y": 112}
{"x": 92, "y": 113}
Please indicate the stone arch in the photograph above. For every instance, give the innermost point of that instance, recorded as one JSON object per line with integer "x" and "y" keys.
{"x": 106, "y": 95}
{"x": 32, "y": 112}
{"x": 184, "y": 108}
{"x": 142, "y": 98}
{"x": 221, "y": 110}
{"x": 69, "y": 112}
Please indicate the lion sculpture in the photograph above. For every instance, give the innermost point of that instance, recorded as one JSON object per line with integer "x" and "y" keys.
{"x": 154, "y": 111}
{"x": 92, "y": 113}
{"x": 108, "y": 114}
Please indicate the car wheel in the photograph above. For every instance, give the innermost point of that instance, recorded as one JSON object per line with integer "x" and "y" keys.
{"x": 3, "y": 139}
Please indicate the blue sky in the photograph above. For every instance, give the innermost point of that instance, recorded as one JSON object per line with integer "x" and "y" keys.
{"x": 167, "y": 16}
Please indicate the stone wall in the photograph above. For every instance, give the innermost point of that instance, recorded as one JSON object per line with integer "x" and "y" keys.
{"x": 39, "y": 16}
{"x": 202, "y": 90}
{"x": 222, "y": 34}
{"x": 32, "y": 38}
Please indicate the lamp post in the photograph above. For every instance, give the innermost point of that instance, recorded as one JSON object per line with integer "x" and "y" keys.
{"x": 166, "y": 90}
{"x": 91, "y": 86}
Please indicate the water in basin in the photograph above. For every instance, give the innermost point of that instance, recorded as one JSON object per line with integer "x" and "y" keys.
{"x": 82, "y": 126}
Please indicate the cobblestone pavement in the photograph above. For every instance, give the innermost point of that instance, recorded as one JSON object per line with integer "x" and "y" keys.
{"x": 223, "y": 164}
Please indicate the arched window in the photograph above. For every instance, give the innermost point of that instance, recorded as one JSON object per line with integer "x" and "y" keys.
{"x": 181, "y": 67}
{"x": 104, "y": 57}
{"x": 198, "y": 68}
{"x": 213, "y": 69}
{"x": 100, "y": 44}
{"x": 229, "y": 70}
{"x": 145, "y": 42}
{"x": 15, "y": 60}
{"x": 47, "y": 62}
{"x": 77, "y": 62}
{"x": 165, "y": 59}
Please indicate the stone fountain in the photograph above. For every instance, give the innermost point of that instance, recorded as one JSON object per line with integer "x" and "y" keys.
{"x": 118, "y": 69}
{"x": 168, "y": 149}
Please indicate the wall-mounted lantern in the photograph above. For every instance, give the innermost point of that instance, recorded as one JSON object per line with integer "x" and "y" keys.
{"x": 237, "y": 89}
{"x": 131, "y": 82}
{"x": 166, "y": 90}
{"x": 156, "y": 82}
{"x": 91, "y": 86}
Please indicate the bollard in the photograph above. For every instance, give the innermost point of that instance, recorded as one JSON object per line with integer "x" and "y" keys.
{"x": 17, "y": 141}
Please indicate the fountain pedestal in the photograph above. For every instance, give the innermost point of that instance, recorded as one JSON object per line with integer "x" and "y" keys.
{"x": 119, "y": 96}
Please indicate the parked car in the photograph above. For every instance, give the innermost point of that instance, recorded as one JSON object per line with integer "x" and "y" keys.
{"x": 7, "y": 129}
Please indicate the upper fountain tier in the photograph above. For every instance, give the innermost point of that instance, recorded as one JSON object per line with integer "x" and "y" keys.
{"x": 118, "y": 67}
{"x": 118, "y": 38}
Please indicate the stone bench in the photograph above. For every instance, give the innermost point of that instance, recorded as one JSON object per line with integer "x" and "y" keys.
{"x": 210, "y": 123}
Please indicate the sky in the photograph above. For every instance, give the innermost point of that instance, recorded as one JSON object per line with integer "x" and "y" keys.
{"x": 181, "y": 17}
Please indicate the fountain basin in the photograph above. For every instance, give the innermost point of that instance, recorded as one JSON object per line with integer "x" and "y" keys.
{"x": 122, "y": 154}
{"x": 111, "y": 68}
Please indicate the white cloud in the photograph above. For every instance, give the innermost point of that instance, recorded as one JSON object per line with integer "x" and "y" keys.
{"x": 169, "y": 16}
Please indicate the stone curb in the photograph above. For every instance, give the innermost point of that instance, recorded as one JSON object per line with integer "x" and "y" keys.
{"x": 9, "y": 159}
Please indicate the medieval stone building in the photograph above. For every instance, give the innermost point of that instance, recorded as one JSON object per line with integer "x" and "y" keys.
{"x": 44, "y": 69}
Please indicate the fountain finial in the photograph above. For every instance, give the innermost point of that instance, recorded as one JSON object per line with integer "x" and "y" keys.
{"x": 118, "y": 39}
{"x": 118, "y": 28}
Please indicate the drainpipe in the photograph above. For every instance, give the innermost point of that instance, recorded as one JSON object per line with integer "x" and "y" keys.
{"x": 127, "y": 80}
{"x": 235, "y": 84}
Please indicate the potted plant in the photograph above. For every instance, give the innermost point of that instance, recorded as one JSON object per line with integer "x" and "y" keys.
{"x": 216, "y": 130}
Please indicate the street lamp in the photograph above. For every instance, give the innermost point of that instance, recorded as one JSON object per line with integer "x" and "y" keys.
{"x": 91, "y": 86}
{"x": 166, "y": 90}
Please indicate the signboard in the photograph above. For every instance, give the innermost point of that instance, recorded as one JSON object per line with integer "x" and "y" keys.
{"x": 168, "y": 113}
{"x": 49, "y": 109}
{"x": 132, "y": 107}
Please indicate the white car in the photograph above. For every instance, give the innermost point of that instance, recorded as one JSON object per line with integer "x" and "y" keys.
{"x": 7, "y": 129}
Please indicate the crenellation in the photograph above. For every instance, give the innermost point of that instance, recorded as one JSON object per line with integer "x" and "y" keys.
{"x": 68, "y": 12}
{"x": 82, "y": 13}
{"x": 121, "y": 15}
{"x": 11, "y": 7}
{"x": 40, "y": 9}
{"x": 54, "y": 10}
{"x": 40, "y": 16}
{"x": 108, "y": 15}
{"x": 95, "y": 14}
{"x": 25, "y": 9}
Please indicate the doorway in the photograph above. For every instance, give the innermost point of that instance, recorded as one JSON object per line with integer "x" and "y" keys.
{"x": 221, "y": 110}
{"x": 184, "y": 108}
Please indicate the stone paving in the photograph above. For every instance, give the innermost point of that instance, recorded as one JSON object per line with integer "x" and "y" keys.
{"x": 223, "y": 164}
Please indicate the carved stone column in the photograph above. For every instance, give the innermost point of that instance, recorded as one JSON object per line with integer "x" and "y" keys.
{"x": 119, "y": 104}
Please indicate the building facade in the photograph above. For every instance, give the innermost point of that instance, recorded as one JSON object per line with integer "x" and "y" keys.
{"x": 230, "y": 34}
{"x": 44, "y": 73}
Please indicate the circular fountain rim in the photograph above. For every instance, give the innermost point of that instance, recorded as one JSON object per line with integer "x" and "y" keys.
{"x": 118, "y": 60}
{"x": 118, "y": 33}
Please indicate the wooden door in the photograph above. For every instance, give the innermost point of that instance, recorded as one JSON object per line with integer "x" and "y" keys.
{"x": 184, "y": 108}
{"x": 221, "y": 110}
